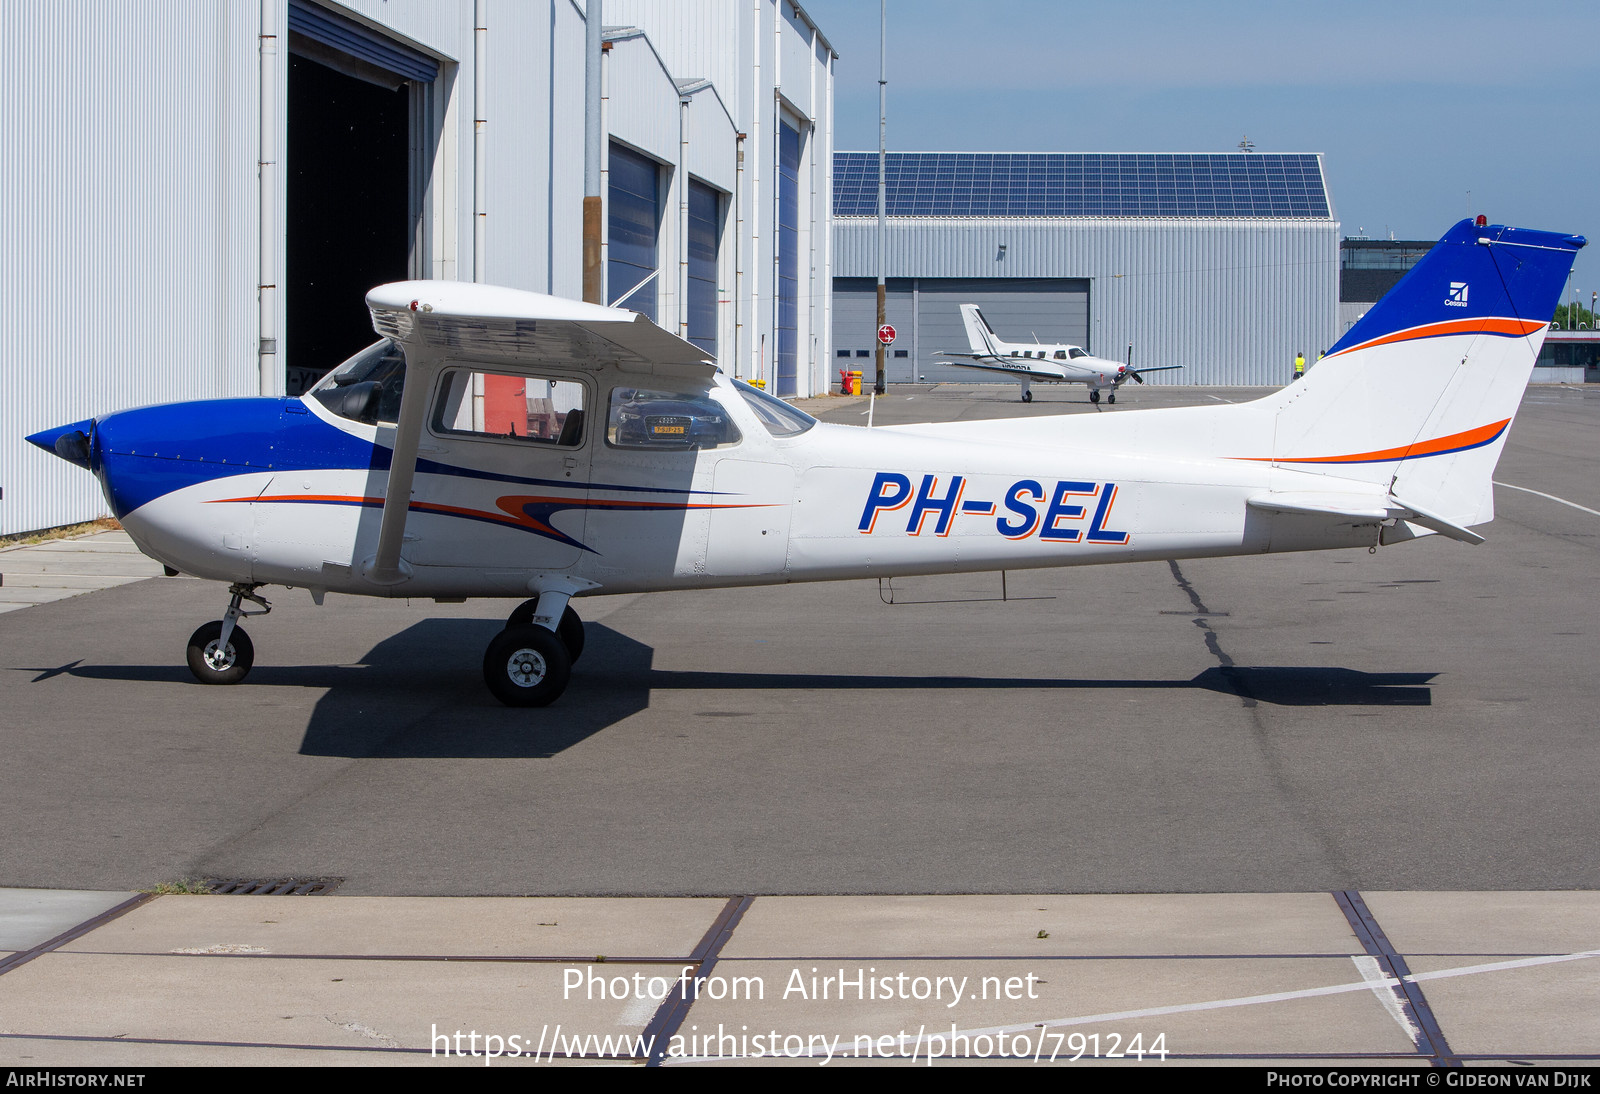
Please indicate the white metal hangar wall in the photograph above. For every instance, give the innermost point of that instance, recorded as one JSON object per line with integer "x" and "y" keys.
{"x": 1224, "y": 264}
{"x": 154, "y": 242}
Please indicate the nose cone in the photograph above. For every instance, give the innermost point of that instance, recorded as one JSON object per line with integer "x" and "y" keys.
{"x": 70, "y": 442}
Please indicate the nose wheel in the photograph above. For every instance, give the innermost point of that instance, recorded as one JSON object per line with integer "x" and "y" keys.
{"x": 220, "y": 652}
{"x": 214, "y": 661}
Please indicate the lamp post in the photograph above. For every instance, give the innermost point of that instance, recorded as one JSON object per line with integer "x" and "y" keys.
{"x": 878, "y": 385}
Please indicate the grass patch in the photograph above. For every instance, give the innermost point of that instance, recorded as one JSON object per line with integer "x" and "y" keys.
{"x": 67, "y": 531}
{"x": 189, "y": 886}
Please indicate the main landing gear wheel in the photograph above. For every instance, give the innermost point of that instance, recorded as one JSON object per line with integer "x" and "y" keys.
{"x": 1027, "y": 396}
{"x": 527, "y": 666}
{"x": 213, "y": 663}
{"x": 1094, "y": 396}
{"x": 570, "y": 628}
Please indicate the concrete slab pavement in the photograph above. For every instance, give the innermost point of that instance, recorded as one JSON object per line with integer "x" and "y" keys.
{"x": 1231, "y": 978}
{"x": 38, "y": 573}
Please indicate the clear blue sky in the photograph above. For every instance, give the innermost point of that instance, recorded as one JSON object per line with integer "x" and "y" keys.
{"x": 1412, "y": 104}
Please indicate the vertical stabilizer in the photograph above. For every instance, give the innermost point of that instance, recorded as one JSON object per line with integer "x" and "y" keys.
{"x": 980, "y": 335}
{"x": 1419, "y": 394}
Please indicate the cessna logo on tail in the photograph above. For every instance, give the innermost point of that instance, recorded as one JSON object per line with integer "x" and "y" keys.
{"x": 1458, "y": 295}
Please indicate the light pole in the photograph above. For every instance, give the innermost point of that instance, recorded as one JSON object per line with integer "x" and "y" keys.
{"x": 883, "y": 128}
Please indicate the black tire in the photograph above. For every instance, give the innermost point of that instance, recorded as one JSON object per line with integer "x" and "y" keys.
{"x": 1027, "y": 396}
{"x": 1112, "y": 398}
{"x": 224, "y": 667}
{"x": 1094, "y": 396}
{"x": 527, "y": 666}
{"x": 570, "y": 628}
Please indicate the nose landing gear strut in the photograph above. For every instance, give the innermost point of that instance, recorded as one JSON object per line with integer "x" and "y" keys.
{"x": 220, "y": 652}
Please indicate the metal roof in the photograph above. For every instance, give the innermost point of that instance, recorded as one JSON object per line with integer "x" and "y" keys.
{"x": 999, "y": 184}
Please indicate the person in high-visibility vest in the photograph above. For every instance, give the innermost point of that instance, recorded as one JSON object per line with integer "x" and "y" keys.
{"x": 1299, "y": 364}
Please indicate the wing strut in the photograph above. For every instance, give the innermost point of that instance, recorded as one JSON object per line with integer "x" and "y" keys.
{"x": 386, "y": 567}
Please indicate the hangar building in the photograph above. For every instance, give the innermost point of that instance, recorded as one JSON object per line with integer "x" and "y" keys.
{"x": 1224, "y": 264}
{"x": 196, "y": 197}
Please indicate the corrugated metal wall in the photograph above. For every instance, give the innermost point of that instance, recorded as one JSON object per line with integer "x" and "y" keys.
{"x": 1231, "y": 301}
{"x": 699, "y": 39}
{"x": 535, "y": 135}
{"x": 129, "y": 259}
{"x": 749, "y": 49}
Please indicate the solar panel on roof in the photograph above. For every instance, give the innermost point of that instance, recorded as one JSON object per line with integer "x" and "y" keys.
{"x": 1065, "y": 185}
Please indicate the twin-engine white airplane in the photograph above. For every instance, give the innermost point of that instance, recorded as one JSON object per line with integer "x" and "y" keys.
{"x": 1051, "y": 364}
{"x": 498, "y": 443}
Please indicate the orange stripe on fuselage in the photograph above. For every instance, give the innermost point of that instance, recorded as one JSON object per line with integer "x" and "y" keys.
{"x": 1470, "y": 438}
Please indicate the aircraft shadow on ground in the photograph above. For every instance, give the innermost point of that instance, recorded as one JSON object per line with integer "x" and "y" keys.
{"x": 419, "y": 694}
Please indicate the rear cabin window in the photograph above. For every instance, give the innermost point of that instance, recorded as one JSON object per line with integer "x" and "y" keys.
{"x": 646, "y": 418}
{"x": 510, "y": 406}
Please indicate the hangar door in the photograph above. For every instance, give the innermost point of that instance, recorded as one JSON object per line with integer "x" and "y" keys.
{"x": 925, "y": 312}
{"x": 359, "y": 146}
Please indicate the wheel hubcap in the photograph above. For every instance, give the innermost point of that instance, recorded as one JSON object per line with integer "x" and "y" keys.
{"x": 218, "y": 657}
{"x": 525, "y": 668}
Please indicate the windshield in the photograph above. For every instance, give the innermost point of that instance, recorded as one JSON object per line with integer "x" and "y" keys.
{"x": 779, "y": 418}
{"x": 367, "y": 387}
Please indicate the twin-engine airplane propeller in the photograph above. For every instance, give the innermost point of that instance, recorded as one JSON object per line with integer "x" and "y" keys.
{"x": 1051, "y": 364}
{"x": 498, "y": 443}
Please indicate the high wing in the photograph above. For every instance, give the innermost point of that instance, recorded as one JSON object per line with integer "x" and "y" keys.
{"x": 439, "y": 320}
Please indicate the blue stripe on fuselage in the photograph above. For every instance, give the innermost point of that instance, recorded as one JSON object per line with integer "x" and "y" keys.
{"x": 155, "y": 450}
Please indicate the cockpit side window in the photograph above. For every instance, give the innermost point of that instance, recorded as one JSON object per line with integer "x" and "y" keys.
{"x": 641, "y": 418}
{"x": 540, "y": 409}
{"x": 1076, "y": 353}
{"x": 367, "y": 387}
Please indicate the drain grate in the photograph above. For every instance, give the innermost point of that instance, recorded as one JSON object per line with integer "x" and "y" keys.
{"x": 282, "y": 886}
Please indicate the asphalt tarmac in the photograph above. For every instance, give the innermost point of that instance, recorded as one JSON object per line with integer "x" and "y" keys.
{"x": 1422, "y": 718}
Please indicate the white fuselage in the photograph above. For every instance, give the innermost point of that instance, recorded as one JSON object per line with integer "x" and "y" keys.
{"x": 489, "y": 518}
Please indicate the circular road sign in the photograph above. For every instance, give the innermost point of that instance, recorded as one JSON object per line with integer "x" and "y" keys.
{"x": 886, "y": 334}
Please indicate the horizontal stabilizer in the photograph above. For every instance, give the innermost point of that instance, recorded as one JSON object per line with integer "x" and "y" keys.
{"x": 1436, "y": 523}
{"x": 1352, "y": 506}
{"x": 1360, "y": 507}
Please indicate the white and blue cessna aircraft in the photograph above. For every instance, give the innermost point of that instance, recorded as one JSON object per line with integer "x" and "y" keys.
{"x": 1051, "y": 364}
{"x": 498, "y": 443}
